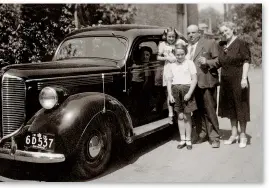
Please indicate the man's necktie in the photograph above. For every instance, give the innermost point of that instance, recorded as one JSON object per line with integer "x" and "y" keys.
{"x": 191, "y": 52}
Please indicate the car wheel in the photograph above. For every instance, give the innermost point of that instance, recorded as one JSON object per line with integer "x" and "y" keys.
{"x": 94, "y": 151}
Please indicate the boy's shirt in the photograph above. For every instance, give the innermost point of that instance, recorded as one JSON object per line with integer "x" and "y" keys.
{"x": 180, "y": 73}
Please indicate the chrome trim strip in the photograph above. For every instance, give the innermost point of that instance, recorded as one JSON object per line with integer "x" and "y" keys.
{"x": 74, "y": 82}
{"x": 78, "y": 76}
{"x": 32, "y": 157}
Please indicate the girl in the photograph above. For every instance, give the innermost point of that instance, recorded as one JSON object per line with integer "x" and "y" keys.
{"x": 171, "y": 37}
{"x": 182, "y": 80}
{"x": 140, "y": 79}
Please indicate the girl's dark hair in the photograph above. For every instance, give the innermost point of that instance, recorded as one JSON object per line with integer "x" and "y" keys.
{"x": 145, "y": 48}
{"x": 177, "y": 33}
{"x": 181, "y": 46}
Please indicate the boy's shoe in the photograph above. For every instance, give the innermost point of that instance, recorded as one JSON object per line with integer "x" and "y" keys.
{"x": 189, "y": 144}
{"x": 181, "y": 145}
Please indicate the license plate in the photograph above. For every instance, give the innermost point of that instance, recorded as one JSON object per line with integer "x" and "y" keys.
{"x": 40, "y": 141}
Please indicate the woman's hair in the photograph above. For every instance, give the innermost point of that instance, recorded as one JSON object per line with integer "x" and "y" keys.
{"x": 177, "y": 34}
{"x": 181, "y": 46}
{"x": 229, "y": 25}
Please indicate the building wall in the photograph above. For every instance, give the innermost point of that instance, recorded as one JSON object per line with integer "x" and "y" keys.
{"x": 175, "y": 15}
{"x": 193, "y": 14}
{"x": 156, "y": 14}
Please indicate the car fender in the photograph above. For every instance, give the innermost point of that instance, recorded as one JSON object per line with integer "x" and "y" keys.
{"x": 70, "y": 119}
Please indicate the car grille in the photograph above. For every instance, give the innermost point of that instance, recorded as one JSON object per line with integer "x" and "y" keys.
{"x": 13, "y": 104}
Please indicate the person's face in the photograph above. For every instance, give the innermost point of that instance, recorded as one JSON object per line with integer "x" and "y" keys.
{"x": 145, "y": 56}
{"x": 193, "y": 34}
{"x": 226, "y": 32}
{"x": 171, "y": 37}
{"x": 180, "y": 55}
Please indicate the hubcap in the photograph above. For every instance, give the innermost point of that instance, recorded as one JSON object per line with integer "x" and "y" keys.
{"x": 95, "y": 146}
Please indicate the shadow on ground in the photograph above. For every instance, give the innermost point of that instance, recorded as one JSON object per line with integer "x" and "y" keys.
{"x": 58, "y": 173}
{"x": 121, "y": 157}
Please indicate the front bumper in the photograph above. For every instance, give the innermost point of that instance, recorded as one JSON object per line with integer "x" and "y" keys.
{"x": 32, "y": 157}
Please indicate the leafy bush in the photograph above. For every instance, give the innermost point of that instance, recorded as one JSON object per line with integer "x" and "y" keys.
{"x": 10, "y": 41}
{"x": 31, "y": 32}
{"x": 250, "y": 21}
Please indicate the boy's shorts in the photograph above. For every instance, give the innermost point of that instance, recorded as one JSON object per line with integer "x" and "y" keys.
{"x": 181, "y": 106}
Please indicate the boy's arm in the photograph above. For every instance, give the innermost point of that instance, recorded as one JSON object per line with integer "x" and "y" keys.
{"x": 193, "y": 83}
{"x": 193, "y": 73}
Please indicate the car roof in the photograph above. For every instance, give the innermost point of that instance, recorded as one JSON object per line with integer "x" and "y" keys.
{"x": 128, "y": 30}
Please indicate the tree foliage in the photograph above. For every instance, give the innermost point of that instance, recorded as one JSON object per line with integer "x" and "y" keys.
{"x": 249, "y": 21}
{"x": 211, "y": 13}
{"x": 31, "y": 32}
{"x": 10, "y": 38}
{"x": 93, "y": 14}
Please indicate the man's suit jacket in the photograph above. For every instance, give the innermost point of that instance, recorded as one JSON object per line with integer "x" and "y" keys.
{"x": 207, "y": 75}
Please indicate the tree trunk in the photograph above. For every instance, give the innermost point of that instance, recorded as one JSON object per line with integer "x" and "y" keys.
{"x": 77, "y": 24}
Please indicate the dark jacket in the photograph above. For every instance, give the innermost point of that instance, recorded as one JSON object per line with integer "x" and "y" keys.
{"x": 207, "y": 75}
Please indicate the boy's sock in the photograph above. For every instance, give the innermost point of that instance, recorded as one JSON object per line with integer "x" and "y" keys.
{"x": 182, "y": 139}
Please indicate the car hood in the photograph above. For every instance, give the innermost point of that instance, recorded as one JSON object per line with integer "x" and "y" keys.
{"x": 62, "y": 68}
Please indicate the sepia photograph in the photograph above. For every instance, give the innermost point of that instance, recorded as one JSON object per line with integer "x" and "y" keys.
{"x": 131, "y": 93}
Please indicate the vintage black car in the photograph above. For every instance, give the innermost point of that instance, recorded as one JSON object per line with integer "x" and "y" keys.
{"x": 79, "y": 104}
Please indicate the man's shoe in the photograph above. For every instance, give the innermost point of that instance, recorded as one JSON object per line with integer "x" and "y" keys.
{"x": 215, "y": 144}
{"x": 201, "y": 140}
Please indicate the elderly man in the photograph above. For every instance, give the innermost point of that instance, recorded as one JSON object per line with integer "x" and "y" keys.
{"x": 204, "y": 53}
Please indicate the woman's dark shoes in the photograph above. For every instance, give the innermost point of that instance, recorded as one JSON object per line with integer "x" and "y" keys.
{"x": 189, "y": 144}
{"x": 181, "y": 145}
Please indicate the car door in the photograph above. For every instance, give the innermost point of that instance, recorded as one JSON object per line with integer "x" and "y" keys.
{"x": 146, "y": 100}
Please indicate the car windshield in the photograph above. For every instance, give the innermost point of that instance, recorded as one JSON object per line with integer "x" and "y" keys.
{"x": 97, "y": 47}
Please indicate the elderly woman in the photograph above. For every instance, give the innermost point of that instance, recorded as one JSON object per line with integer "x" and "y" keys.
{"x": 234, "y": 58}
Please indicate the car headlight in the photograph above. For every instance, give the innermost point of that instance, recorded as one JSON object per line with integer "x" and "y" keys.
{"x": 48, "y": 97}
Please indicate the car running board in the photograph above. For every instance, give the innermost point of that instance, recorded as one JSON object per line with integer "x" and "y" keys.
{"x": 150, "y": 128}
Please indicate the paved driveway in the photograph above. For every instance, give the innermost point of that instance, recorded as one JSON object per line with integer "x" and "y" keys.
{"x": 156, "y": 159}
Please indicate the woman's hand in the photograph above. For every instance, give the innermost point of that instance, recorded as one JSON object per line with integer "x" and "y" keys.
{"x": 171, "y": 99}
{"x": 244, "y": 83}
{"x": 187, "y": 97}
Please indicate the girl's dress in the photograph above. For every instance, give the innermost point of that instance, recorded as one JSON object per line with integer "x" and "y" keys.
{"x": 165, "y": 49}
